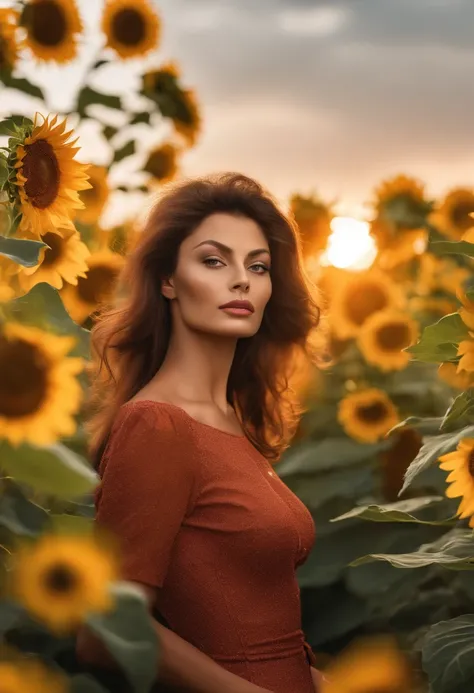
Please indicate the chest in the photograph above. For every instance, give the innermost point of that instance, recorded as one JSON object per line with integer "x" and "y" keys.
{"x": 242, "y": 498}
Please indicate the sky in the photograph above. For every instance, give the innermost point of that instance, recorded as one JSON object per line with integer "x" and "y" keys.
{"x": 311, "y": 95}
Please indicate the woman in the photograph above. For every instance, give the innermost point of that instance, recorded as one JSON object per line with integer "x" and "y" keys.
{"x": 192, "y": 392}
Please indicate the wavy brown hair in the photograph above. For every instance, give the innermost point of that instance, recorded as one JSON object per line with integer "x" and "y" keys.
{"x": 130, "y": 339}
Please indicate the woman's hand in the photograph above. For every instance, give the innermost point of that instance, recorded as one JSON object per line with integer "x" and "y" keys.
{"x": 318, "y": 679}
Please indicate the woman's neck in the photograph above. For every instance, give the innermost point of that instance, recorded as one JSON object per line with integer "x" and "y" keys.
{"x": 196, "y": 368}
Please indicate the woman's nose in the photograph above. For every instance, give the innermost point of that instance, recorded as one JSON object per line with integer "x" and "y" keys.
{"x": 242, "y": 283}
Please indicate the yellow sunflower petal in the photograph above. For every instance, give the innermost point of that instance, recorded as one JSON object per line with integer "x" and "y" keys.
{"x": 38, "y": 396}
{"x": 9, "y": 44}
{"x": 453, "y": 216}
{"x": 367, "y": 415}
{"x": 132, "y": 27}
{"x": 383, "y": 338}
{"x": 52, "y": 27}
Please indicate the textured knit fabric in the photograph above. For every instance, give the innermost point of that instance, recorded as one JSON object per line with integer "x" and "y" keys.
{"x": 200, "y": 513}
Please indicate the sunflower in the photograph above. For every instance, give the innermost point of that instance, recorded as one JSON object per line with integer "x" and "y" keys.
{"x": 367, "y": 415}
{"x": 39, "y": 393}
{"x": 403, "y": 249}
{"x": 454, "y": 216}
{"x": 26, "y": 674}
{"x": 395, "y": 461}
{"x": 48, "y": 178}
{"x": 313, "y": 219}
{"x": 63, "y": 261}
{"x": 52, "y": 27}
{"x": 94, "y": 198}
{"x": 8, "y": 41}
{"x": 161, "y": 163}
{"x": 449, "y": 374}
{"x": 372, "y": 666}
{"x": 467, "y": 310}
{"x": 95, "y": 288}
{"x": 401, "y": 201}
{"x": 383, "y": 338}
{"x": 460, "y": 464}
{"x": 435, "y": 307}
{"x": 132, "y": 27}
{"x": 359, "y": 297}
{"x": 466, "y": 352}
{"x": 60, "y": 579}
{"x": 120, "y": 239}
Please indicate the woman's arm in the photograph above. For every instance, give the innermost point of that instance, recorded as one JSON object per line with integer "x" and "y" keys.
{"x": 182, "y": 665}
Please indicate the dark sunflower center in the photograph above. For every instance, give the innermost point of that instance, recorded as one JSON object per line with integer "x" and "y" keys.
{"x": 41, "y": 170}
{"x": 46, "y": 22}
{"x": 98, "y": 285}
{"x": 470, "y": 463}
{"x": 160, "y": 164}
{"x": 24, "y": 380}
{"x": 460, "y": 215}
{"x": 372, "y": 413}
{"x": 129, "y": 27}
{"x": 393, "y": 337}
{"x": 55, "y": 250}
{"x": 60, "y": 578}
{"x": 365, "y": 300}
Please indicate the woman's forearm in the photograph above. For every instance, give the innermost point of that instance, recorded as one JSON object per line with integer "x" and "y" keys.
{"x": 182, "y": 666}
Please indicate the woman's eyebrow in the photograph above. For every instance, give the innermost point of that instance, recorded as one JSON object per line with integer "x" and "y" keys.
{"x": 225, "y": 249}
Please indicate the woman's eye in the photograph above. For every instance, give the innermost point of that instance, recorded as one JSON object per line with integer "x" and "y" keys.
{"x": 212, "y": 261}
{"x": 261, "y": 268}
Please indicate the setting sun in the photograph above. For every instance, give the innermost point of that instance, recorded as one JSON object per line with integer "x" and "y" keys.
{"x": 350, "y": 245}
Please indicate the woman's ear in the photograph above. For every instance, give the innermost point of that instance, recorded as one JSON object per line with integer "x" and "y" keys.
{"x": 167, "y": 288}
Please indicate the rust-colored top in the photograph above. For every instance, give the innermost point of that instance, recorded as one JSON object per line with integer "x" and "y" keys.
{"x": 201, "y": 513}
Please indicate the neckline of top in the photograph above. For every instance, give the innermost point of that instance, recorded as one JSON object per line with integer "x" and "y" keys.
{"x": 185, "y": 414}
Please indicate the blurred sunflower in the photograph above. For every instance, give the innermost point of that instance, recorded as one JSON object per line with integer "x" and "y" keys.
{"x": 466, "y": 352}
{"x": 94, "y": 198}
{"x": 359, "y": 297}
{"x": 30, "y": 676}
{"x": 433, "y": 307}
{"x": 449, "y": 374}
{"x": 95, "y": 288}
{"x": 367, "y": 415}
{"x": 467, "y": 310}
{"x": 460, "y": 464}
{"x": 63, "y": 261}
{"x": 48, "y": 178}
{"x": 161, "y": 163}
{"x": 313, "y": 219}
{"x": 454, "y": 216}
{"x": 8, "y": 41}
{"x": 373, "y": 666}
{"x": 132, "y": 27}
{"x": 120, "y": 239}
{"x": 395, "y": 461}
{"x": 383, "y": 337}
{"x": 403, "y": 249}
{"x": 51, "y": 29}
{"x": 401, "y": 201}
{"x": 439, "y": 274}
{"x": 39, "y": 393}
{"x": 60, "y": 579}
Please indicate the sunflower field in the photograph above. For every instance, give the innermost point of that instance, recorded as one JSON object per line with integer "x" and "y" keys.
{"x": 58, "y": 264}
{"x": 388, "y": 415}
{"x": 384, "y": 454}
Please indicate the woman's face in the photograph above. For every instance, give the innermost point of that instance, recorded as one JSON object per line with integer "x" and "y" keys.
{"x": 225, "y": 260}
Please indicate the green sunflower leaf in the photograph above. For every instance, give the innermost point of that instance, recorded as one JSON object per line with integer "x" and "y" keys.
{"x": 21, "y": 251}
{"x": 127, "y": 150}
{"x": 433, "y": 448}
{"x": 439, "y": 342}
{"x": 396, "y": 512}
{"x": 460, "y": 413}
{"x": 454, "y": 550}
{"x": 42, "y": 307}
{"x": 128, "y": 634}
{"x": 53, "y": 469}
{"x": 21, "y": 84}
{"x": 88, "y": 96}
{"x": 20, "y": 515}
{"x": 448, "y": 654}
{"x": 83, "y": 683}
{"x": 452, "y": 248}
{"x": 143, "y": 117}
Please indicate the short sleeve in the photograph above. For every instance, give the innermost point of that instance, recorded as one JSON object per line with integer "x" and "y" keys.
{"x": 146, "y": 490}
